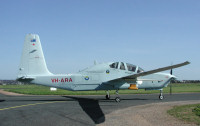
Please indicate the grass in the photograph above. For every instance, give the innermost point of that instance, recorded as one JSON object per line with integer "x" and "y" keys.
{"x": 43, "y": 90}
{"x": 186, "y": 113}
{"x": 196, "y": 110}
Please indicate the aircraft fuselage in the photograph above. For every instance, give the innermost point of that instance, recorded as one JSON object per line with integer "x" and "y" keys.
{"x": 80, "y": 82}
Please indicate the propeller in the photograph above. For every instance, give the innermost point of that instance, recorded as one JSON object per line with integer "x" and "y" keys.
{"x": 171, "y": 72}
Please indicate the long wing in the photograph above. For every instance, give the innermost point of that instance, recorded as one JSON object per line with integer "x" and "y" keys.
{"x": 157, "y": 70}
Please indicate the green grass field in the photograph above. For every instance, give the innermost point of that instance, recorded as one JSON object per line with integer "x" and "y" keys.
{"x": 43, "y": 90}
{"x": 186, "y": 113}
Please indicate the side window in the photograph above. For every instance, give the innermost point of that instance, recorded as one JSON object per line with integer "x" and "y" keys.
{"x": 114, "y": 65}
{"x": 122, "y": 67}
{"x": 131, "y": 67}
{"x": 117, "y": 65}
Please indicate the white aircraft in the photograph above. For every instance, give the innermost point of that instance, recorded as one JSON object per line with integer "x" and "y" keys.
{"x": 104, "y": 76}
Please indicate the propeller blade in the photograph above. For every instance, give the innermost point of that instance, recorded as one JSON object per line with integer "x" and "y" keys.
{"x": 171, "y": 71}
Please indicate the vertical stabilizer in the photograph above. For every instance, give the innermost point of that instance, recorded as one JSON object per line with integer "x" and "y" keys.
{"x": 32, "y": 60}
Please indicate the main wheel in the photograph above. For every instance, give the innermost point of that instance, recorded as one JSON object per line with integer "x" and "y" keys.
{"x": 117, "y": 99}
{"x": 161, "y": 97}
{"x": 107, "y": 97}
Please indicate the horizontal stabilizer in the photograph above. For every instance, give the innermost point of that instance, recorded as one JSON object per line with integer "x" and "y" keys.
{"x": 25, "y": 79}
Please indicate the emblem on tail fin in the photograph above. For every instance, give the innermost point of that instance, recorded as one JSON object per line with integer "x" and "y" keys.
{"x": 33, "y": 40}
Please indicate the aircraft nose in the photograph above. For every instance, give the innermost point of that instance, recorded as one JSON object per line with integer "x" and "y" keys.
{"x": 172, "y": 76}
{"x": 169, "y": 76}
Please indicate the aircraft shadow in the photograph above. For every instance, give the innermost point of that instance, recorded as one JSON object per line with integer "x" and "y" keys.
{"x": 2, "y": 100}
{"x": 91, "y": 108}
{"x": 134, "y": 99}
{"x": 43, "y": 100}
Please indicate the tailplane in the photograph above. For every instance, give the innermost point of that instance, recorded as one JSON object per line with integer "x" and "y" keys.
{"x": 32, "y": 60}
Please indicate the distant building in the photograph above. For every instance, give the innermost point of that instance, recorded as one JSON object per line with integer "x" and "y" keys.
{"x": 173, "y": 81}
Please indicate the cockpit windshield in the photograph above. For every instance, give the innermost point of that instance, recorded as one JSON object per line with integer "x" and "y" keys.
{"x": 131, "y": 67}
{"x": 140, "y": 70}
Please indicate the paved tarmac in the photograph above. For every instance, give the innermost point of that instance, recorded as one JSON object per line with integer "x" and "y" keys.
{"x": 72, "y": 110}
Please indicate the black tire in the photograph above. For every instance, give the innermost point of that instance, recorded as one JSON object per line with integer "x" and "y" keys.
{"x": 117, "y": 99}
{"x": 161, "y": 97}
{"x": 107, "y": 97}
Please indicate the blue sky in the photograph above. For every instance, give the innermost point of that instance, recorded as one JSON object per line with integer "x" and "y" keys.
{"x": 74, "y": 33}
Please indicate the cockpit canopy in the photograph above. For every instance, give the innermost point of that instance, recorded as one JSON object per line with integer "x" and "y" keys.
{"x": 126, "y": 66}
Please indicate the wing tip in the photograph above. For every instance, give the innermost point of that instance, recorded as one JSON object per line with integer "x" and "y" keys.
{"x": 187, "y": 62}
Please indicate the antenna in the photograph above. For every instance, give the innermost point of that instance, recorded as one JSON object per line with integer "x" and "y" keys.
{"x": 95, "y": 62}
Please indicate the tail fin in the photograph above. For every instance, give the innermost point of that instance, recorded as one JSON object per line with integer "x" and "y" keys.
{"x": 32, "y": 60}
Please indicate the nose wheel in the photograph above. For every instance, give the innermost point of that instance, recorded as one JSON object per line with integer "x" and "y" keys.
{"x": 161, "y": 97}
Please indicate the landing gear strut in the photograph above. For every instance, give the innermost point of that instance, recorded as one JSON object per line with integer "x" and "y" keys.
{"x": 117, "y": 99}
{"x": 161, "y": 97}
{"x": 107, "y": 95}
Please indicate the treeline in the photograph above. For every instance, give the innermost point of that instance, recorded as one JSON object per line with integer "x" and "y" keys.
{"x": 185, "y": 81}
{"x": 9, "y": 82}
{"x": 174, "y": 81}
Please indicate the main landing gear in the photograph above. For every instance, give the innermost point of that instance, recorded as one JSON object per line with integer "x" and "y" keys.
{"x": 107, "y": 95}
{"x": 161, "y": 97}
{"x": 117, "y": 99}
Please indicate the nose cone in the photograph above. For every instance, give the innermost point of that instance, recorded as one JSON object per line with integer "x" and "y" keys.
{"x": 172, "y": 76}
{"x": 169, "y": 76}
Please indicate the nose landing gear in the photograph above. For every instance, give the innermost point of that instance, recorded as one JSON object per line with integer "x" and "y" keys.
{"x": 161, "y": 97}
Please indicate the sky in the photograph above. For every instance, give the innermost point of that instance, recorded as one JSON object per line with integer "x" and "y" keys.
{"x": 74, "y": 33}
